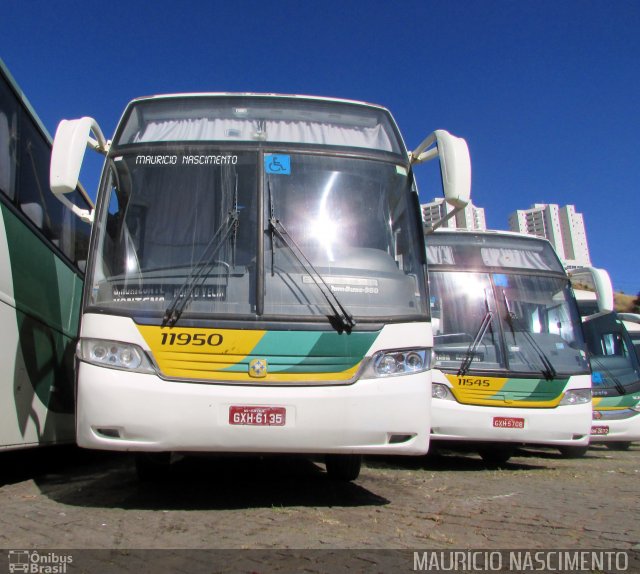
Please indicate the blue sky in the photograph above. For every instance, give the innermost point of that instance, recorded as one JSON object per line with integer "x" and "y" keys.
{"x": 546, "y": 92}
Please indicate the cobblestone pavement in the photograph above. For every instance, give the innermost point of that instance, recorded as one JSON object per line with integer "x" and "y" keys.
{"x": 67, "y": 498}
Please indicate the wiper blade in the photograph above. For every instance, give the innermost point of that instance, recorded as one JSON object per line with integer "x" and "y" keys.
{"x": 468, "y": 359}
{"x": 547, "y": 370}
{"x": 341, "y": 319}
{"x": 619, "y": 386}
{"x": 200, "y": 270}
{"x": 482, "y": 329}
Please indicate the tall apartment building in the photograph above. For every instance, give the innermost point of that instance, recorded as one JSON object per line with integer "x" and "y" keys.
{"x": 471, "y": 217}
{"x": 562, "y": 226}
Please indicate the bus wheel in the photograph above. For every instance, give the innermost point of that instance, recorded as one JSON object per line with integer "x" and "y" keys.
{"x": 495, "y": 456}
{"x": 618, "y": 445}
{"x": 152, "y": 466}
{"x": 344, "y": 467}
{"x": 573, "y": 451}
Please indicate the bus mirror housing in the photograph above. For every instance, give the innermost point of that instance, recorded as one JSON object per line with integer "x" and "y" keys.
{"x": 598, "y": 280}
{"x": 455, "y": 165}
{"x": 71, "y": 139}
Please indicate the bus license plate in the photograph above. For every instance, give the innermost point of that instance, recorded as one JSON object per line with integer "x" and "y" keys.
{"x": 257, "y": 416}
{"x": 508, "y": 423}
{"x": 600, "y": 430}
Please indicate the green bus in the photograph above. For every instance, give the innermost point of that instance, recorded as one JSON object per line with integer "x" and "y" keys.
{"x": 43, "y": 249}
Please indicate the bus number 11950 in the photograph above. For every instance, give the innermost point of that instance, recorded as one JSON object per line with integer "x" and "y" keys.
{"x": 197, "y": 339}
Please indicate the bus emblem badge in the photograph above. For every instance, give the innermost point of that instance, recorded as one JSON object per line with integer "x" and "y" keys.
{"x": 258, "y": 368}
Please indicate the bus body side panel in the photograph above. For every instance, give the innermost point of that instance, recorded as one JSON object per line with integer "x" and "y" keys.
{"x": 120, "y": 410}
{"x": 562, "y": 425}
{"x": 39, "y": 310}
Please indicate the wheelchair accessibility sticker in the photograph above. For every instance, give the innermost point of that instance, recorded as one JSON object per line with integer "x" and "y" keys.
{"x": 277, "y": 164}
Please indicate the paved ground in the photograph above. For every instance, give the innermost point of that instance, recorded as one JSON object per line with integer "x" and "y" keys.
{"x": 73, "y": 499}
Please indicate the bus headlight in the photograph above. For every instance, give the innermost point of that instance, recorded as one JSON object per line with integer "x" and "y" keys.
{"x": 114, "y": 354}
{"x": 576, "y": 397}
{"x": 399, "y": 362}
{"x": 440, "y": 391}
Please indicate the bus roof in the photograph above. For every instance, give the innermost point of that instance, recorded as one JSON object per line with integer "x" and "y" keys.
{"x": 480, "y": 249}
{"x": 492, "y": 232}
{"x": 257, "y": 95}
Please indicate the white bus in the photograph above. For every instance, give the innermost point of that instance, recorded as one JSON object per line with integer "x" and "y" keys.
{"x": 616, "y": 381}
{"x": 510, "y": 365}
{"x": 256, "y": 279}
{"x": 613, "y": 357}
{"x": 42, "y": 251}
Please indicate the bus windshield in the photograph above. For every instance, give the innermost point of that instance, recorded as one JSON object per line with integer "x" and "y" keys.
{"x": 530, "y": 327}
{"x": 241, "y": 228}
{"x": 502, "y": 304}
{"x": 614, "y": 363}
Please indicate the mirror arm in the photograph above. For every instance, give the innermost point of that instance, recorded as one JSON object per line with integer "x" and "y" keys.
{"x": 101, "y": 144}
{"x": 417, "y": 155}
{"x": 428, "y": 229}
{"x": 424, "y": 156}
{"x": 85, "y": 215}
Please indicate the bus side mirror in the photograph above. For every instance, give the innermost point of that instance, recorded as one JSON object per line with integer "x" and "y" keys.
{"x": 455, "y": 165}
{"x": 71, "y": 139}
{"x": 598, "y": 280}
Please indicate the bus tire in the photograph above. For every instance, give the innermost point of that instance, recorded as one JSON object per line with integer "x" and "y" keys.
{"x": 152, "y": 466}
{"x": 343, "y": 467}
{"x": 573, "y": 451}
{"x": 496, "y": 456}
{"x": 620, "y": 445}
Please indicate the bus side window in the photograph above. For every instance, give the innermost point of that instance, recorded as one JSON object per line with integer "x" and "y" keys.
{"x": 24, "y": 156}
{"x": 7, "y": 157}
{"x": 34, "y": 156}
{"x": 612, "y": 344}
{"x": 8, "y": 141}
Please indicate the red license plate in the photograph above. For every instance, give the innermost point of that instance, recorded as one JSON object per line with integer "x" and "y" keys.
{"x": 508, "y": 423}
{"x": 600, "y": 430}
{"x": 257, "y": 416}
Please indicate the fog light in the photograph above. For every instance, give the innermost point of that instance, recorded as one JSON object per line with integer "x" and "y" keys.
{"x": 439, "y": 391}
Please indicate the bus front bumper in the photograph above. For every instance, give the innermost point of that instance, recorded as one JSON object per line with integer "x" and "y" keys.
{"x": 616, "y": 426}
{"x": 118, "y": 410}
{"x": 562, "y": 426}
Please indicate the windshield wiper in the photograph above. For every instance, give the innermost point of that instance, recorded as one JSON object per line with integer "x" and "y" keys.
{"x": 341, "y": 319}
{"x": 201, "y": 269}
{"x": 480, "y": 333}
{"x": 619, "y": 386}
{"x": 548, "y": 370}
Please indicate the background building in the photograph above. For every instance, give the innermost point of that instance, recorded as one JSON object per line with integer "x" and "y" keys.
{"x": 471, "y": 217}
{"x": 562, "y": 226}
